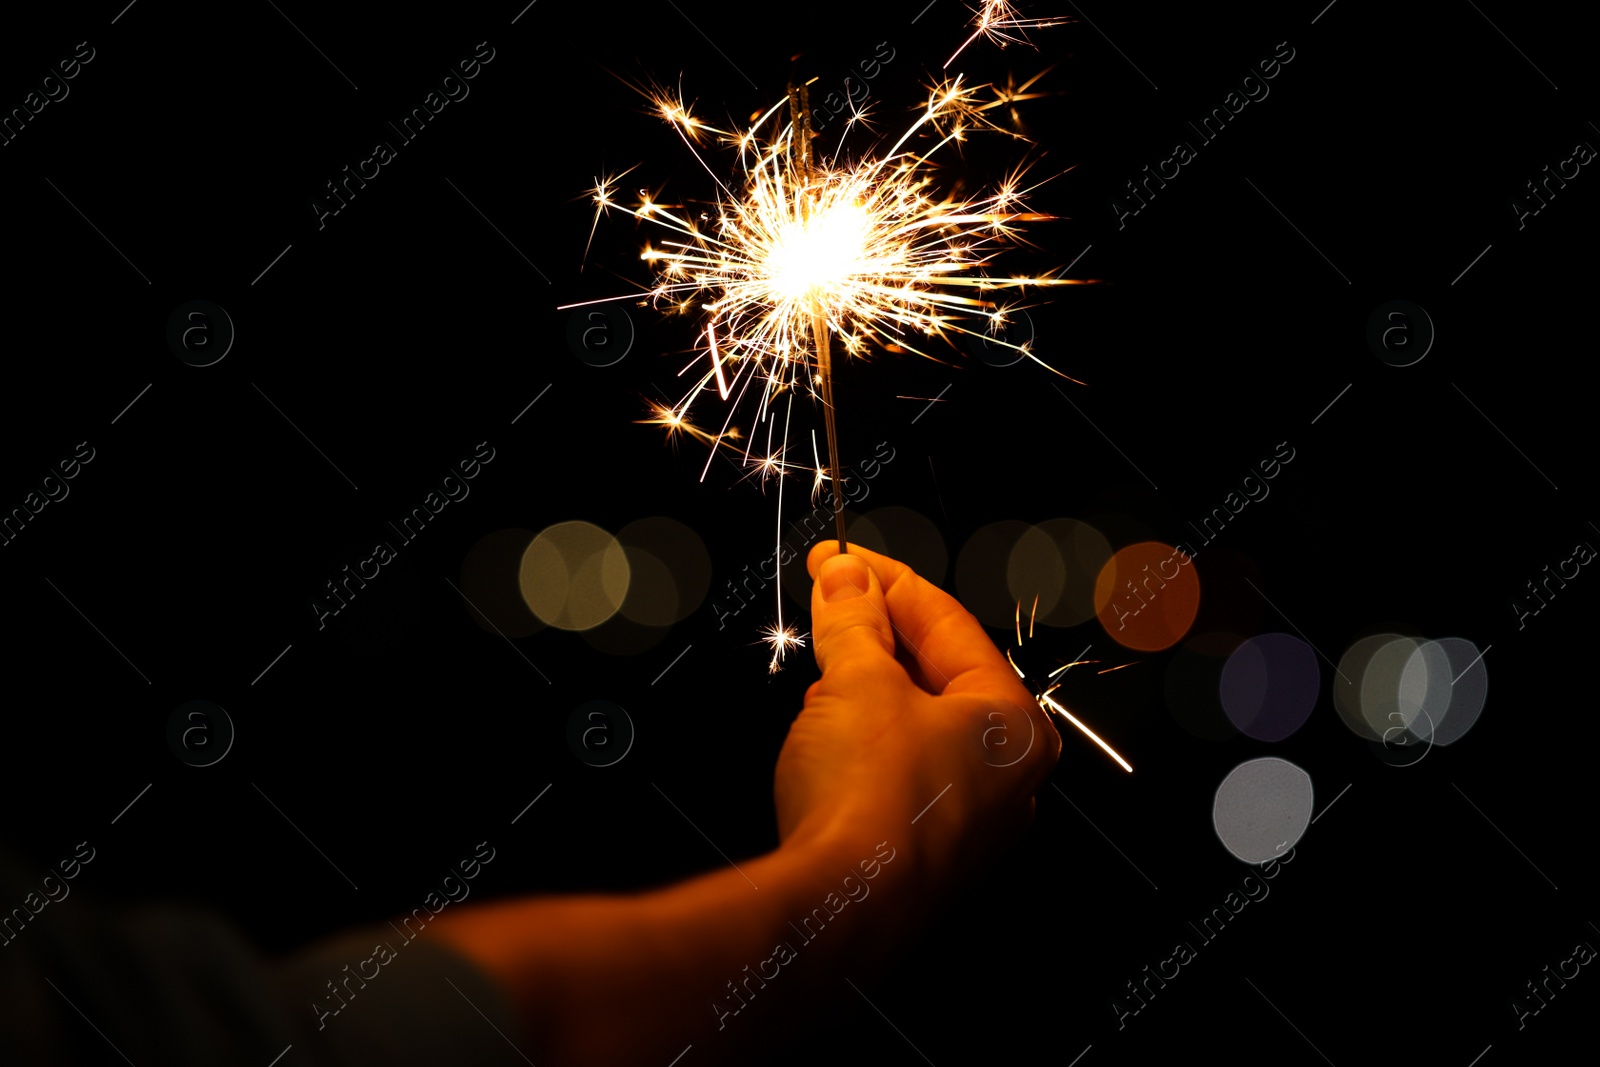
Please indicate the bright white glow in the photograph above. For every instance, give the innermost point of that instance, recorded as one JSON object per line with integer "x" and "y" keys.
{"x": 820, "y": 253}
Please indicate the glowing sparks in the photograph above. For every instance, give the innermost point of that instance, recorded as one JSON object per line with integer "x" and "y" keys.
{"x": 676, "y": 424}
{"x": 999, "y": 21}
{"x": 604, "y": 189}
{"x": 971, "y": 113}
{"x": 782, "y": 639}
{"x": 801, "y": 249}
{"x": 1044, "y": 691}
{"x": 867, "y": 245}
{"x": 1046, "y": 701}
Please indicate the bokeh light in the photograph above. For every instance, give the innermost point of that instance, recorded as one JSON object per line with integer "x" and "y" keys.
{"x": 1147, "y": 596}
{"x": 1347, "y": 685}
{"x": 1058, "y": 560}
{"x": 1269, "y": 686}
{"x": 1379, "y": 698}
{"x": 1035, "y": 571}
{"x": 574, "y": 575}
{"x": 622, "y": 593}
{"x": 1447, "y": 678}
{"x": 1406, "y": 694}
{"x": 983, "y": 573}
{"x": 669, "y": 571}
{"x": 1085, "y": 551}
{"x": 1262, "y": 808}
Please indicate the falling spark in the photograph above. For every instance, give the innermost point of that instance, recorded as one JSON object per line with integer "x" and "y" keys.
{"x": 1045, "y": 700}
{"x": 1043, "y": 692}
{"x": 604, "y": 188}
{"x": 999, "y": 21}
{"x": 801, "y": 249}
{"x": 1007, "y": 96}
{"x": 781, "y": 639}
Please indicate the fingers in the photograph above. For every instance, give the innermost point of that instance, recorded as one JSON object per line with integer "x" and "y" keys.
{"x": 951, "y": 649}
{"x": 849, "y": 618}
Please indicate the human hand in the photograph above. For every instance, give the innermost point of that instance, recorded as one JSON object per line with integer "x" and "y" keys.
{"x": 914, "y": 697}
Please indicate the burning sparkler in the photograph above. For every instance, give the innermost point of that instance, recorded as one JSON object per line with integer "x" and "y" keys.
{"x": 999, "y": 21}
{"x": 804, "y": 250}
{"x": 1044, "y": 685}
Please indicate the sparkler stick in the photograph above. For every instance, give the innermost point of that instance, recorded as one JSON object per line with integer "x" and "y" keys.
{"x": 800, "y": 128}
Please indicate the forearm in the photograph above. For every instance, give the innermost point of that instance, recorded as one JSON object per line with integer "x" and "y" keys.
{"x": 712, "y": 962}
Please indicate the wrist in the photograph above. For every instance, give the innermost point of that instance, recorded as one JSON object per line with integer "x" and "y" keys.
{"x": 838, "y": 861}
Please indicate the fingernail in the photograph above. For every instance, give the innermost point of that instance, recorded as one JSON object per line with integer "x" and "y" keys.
{"x": 844, "y": 577}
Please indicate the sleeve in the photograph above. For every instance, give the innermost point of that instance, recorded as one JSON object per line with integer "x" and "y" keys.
{"x": 86, "y": 983}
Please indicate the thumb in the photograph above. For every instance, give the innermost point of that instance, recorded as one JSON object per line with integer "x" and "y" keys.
{"x": 849, "y": 616}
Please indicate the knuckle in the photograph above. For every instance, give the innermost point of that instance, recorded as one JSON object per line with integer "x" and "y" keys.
{"x": 850, "y": 635}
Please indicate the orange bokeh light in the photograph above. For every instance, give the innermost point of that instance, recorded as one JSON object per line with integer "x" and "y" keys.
{"x": 1147, "y": 596}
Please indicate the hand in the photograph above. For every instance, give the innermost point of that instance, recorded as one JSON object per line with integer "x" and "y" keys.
{"x": 914, "y": 697}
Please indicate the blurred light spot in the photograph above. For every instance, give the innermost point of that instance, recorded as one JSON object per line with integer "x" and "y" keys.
{"x": 1192, "y": 687}
{"x": 489, "y": 584}
{"x": 1269, "y": 686}
{"x": 652, "y": 598}
{"x": 1448, "y": 679}
{"x": 1147, "y": 595}
{"x": 1262, "y": 808}
{"x": 905, "y": 535}
{"x": 1425, "y": 684}
{"x": 1083, "y": 551}
{"x": 1431, "y": 698}
{"x": 670, "y": 571}
{"x": 1035, "y": 571}
{"x": 1386, "y": 708}
{"x": 982, "y": 580}
{"x": 1348, "y": 684}
{"x": 574, "y": 575}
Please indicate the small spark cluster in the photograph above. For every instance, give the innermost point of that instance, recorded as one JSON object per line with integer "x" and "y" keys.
{"x": 999, "y": 21}
{"x": 1043, "y": 685}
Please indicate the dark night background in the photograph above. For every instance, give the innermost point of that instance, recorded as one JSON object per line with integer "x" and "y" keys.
{"x": 408, "y": 330}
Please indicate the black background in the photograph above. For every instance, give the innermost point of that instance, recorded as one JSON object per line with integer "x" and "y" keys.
{"x": 407, "y": 330}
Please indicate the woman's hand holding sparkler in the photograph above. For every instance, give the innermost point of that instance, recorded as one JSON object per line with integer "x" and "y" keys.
{"x": 918, "y": 731}
{"x": 913, "y": 762}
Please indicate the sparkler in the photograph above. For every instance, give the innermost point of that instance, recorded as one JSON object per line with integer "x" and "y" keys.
{"x": 1043, "y": 687}
{"x": 999, "y": 21}
{"x": 800, "y": 130}
{"x": 803, "y": 249}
